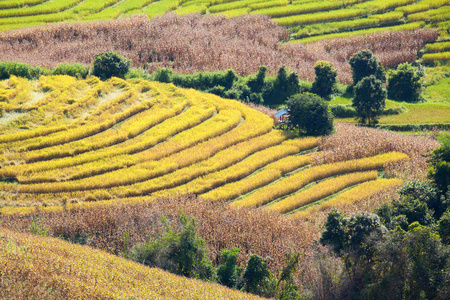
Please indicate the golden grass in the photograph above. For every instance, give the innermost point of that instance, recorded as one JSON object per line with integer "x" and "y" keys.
{"x": 358, "y": 193}
{"x": 40, "y": 267}
{"x": 321, "y": 190}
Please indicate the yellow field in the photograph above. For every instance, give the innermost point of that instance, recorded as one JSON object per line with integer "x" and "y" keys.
{"x": 92, "y": 142}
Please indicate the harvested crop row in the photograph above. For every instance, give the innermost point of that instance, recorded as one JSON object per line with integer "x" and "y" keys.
{"x": 225, "y": 120}
{"x": 268, "y": 174}
{"x": 351, "y": 196}
{"x": 321, "y": 190}
{"x": 243, "y": 168}
{"x": 169, "y": 122}
{"x": 296, "y": 181}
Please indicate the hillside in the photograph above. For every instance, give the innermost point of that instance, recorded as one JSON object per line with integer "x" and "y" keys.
{"x": 49, "y": 268}
{"x": 82, "y": 142}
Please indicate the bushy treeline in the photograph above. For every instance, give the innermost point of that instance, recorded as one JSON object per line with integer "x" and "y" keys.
{"x": 8, "y": 68}
{"x": 400, "y": 252}
{"x": 256, "y": 88}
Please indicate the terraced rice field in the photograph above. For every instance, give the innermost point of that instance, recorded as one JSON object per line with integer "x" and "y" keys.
{"x": 88, "y": 142}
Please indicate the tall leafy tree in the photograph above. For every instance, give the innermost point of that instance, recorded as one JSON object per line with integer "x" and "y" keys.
{"x": 310, "y": 113}
{"x": 369, "y": 100}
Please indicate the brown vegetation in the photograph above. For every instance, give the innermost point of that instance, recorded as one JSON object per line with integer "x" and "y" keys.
{"x": 217, "y": 43}
{"x": 221, "y": 226}
{"x": 350, "y": 142}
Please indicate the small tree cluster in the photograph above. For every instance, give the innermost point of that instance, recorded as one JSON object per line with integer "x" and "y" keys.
{"x": 404, "y": 84}
{"x": 109, "y": 64}
{"x": 368, "y": 81}
{"x": 325, "y": 79}
{"x": 310, "y": 113}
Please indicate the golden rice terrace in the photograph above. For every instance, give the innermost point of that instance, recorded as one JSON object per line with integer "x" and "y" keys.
{"x": 66, "y": 142}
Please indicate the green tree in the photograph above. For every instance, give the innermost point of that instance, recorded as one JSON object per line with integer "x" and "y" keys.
{"x": 228, "y": 272}
{"x": 369, "y": 100}
{"x": 310, "y": 113}
{"x": 256, "y": 82}
{"x": 325, "y": 79}
{"x": 284, "y": 86}
{"x": 404, "y": 84}
{"x": 440, "y": 164}
{"x": 365, "y": 64}
{"x": 257, "y": 277}
{"x": 109, "y": 64}
{"x": 444, "y": 227}
{"x": 181, "y": 252}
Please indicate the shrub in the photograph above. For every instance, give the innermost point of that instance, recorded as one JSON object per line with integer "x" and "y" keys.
{"x": 343, "y": 111}
{"x": 310, "y": 113}
{"x": 256, "y": 82}
{"x": 109, "y": 64}
{"x": 257, "y": 277}
{"x": 163, "y": 75}
{"x": 404, "y": 84}
{"x": 228, "y": 272}
{"x": 365, "y": 64}
{"x": 325, "y": 79}
{"x": 182, "y": 252}
{"x": 284, "y": 86}
{"x": 75, "y": 70}
{"x": 369, "y": 100}
{"x": 8, "y": 68}
{"x": 440, "y": 164}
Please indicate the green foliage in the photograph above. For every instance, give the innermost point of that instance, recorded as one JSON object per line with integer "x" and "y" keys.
{"x": 369, "y": 100}
{"x": 310, "y": 113}
{"x": 284, "y": 86}
{"x": 405, "y": 84}
{"x": 444, "y": 227}
{"x": 365, "y": 64}
{"x": 109, "y": 64}
{"x": 228, "y": 272}
{"x": 76, "y": 70}
{"x": 286, "y": 287}
{"x": 256, "y": 82}
{"x": 325, "y": 79}
{"x": 8, "y": 68}
{"x": 163, "y": 75}
{"x": 440, "y": 164}
{"x": 334, "y": 233}
{"x": 182, "y": 252}
{"x": 204, "y": 80}
{"x": 257, "y": 277}
{"x": 343, "y": 111}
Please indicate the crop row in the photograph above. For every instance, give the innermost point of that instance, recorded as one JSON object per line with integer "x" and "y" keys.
{"x": 144, "y": 171}
{"x": 375, "y": 6}
{"x": 232, "y": 5}
{"x": 113, "y": 12}
{"x": 441, "y": 56}
{"x": 268, "y": 174}
{"x": 438, "y": 47}
{"x": 434, "y": 15}
{"x": 44, "y": 8}
{"x": 243, "y": 168}
{"x": 321, "y": 190}
{"x": 19, "y": 3}
{"x": 422, "y": 6}
{"x": 360, "y": 192}
{"x": 128, "y": 153}
{"x": 100, "y": 161}
{"x": 333, "y": 15}
{"x": 299, "y": 9}
{"x": 298, "y": 180}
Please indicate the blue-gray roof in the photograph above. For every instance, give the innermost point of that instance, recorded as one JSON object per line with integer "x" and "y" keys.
{"x": 281, "y": 112}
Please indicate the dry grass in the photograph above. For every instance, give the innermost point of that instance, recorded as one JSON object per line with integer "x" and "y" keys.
{"x": 217, "y": 43}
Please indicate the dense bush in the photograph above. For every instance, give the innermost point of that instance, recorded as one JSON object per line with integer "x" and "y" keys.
{"x": 310, "y": 113}
{"x": 8, "y": 68}
{"x": 343, "y": 111}
{"x": 286, "y": 84}
{"x": 109, "y": 64}
{"x": 440, "y": 164}
{"x": 369, "y": 100}
{"x": 74, "y": 69}
{"x": 325, "y": 80}
{"x": 404, "y": 84}
{"x": 364, "y": 64}
{"x": 182, "y": 252}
